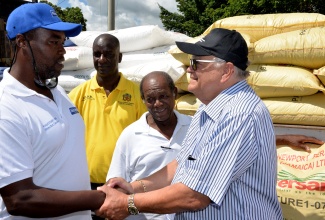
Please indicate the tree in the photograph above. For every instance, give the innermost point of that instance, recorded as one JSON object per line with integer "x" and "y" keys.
{"x": 197, "y": 15}
{"x": 195, "y": 18}
{"x": 73, "y": 15}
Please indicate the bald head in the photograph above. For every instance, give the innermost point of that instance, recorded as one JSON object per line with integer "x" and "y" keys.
{"x": 107, "y": 39}
{"x": 159, "y": 76}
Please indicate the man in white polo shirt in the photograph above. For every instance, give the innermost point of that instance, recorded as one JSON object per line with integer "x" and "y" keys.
{"x": 43, "y": 167}
{"x": 154, "y": 140}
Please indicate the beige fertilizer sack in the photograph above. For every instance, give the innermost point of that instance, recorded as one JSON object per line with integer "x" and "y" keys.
{"x": 280, "y": 81}
{"x": 301, "y": 183}
{"x": 180, "y": 55}
{"x": 320, "y": 73}
{"x": 297, "y": 110}
{"x": 305, "y": 48}
{"x": 182, "y": 82}
{"x": 264, "y": 25}
{"x": 187, "y": 104}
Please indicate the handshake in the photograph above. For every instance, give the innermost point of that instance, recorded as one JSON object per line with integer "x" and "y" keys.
{"x": 119, "y": 201}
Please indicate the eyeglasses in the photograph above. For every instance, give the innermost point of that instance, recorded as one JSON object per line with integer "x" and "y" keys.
{"x": 193, "y": 62}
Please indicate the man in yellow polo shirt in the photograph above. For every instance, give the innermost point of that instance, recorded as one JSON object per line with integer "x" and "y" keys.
{"x": 108, "y": 103}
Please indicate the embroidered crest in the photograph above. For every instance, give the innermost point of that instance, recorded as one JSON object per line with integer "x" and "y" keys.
{"x": 127, "y": 97}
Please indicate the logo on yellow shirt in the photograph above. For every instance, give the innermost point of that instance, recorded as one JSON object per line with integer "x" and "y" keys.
{"x": 87, "y": 97}
{"x": 127, "y": 97}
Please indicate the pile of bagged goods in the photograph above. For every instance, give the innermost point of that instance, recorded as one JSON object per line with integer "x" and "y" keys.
{"x": 287, "y": 70}
{"x": 144, "y": 48}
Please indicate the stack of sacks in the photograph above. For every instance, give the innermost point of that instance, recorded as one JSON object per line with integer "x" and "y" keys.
{"x": 264, "y": 25}
{"x": 286, "y": 52}
{"x": 256, "y": 27}
{"x": 144, "y": 48}
{"x": 78, "y": 67}
{"x": 135, "y": 65}
{"x": 69, "y": 79}
{"x": 133, "y": 38}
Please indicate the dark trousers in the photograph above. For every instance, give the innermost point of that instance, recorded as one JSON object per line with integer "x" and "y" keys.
{"x": 94, "y": 187}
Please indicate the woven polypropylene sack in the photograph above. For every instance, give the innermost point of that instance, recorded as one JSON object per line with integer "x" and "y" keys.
{"x": 182, "y": 82}
{"x": 301, "y": 182}
{"x": 264, "y": 25}
{"x": 305, "y": 48}
{"x": 320, "y": 73}
{"x": 133, "y": 38}
{"x": 187, "y": 104}
{"x": 281, "y": 81}
{"x": 297, "y": 110}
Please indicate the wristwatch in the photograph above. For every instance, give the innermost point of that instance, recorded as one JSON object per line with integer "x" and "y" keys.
{"x": 131, "y": 207}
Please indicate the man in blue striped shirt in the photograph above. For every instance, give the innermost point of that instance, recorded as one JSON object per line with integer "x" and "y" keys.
{"x": 227, "y": 167}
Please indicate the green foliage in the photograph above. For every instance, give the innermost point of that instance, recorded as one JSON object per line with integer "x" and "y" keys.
{"x": 73, "y": 15}
{"x": 195, "y": 16}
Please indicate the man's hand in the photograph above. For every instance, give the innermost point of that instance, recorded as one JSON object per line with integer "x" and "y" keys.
{"x": 115, "y": 204}
{"x": 120, "y": 184}
{"x": 298, "y": 141}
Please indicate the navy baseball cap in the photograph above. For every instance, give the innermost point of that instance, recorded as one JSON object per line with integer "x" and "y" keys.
{"x": 225, "y": 44}
{"x": 38, "y": 15}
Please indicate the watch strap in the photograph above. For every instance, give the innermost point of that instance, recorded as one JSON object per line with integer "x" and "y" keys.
{"x": 132, "y": 209}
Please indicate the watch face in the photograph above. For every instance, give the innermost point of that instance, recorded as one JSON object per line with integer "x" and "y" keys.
{"x": 133, "y": 210}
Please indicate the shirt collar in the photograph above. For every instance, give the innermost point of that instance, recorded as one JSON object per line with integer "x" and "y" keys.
{"x": 182, "y": 120}
{"x": 214, "y": 108}
{"x": 14, "y": 87}
{"x": 120, "y": 86}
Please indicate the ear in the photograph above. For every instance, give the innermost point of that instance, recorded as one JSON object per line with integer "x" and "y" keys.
{"x": 20, "y": 40}
{"x": 120, "y": 57}
{"x": 175, "y": 92}
{"x": 229, "y": 70}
